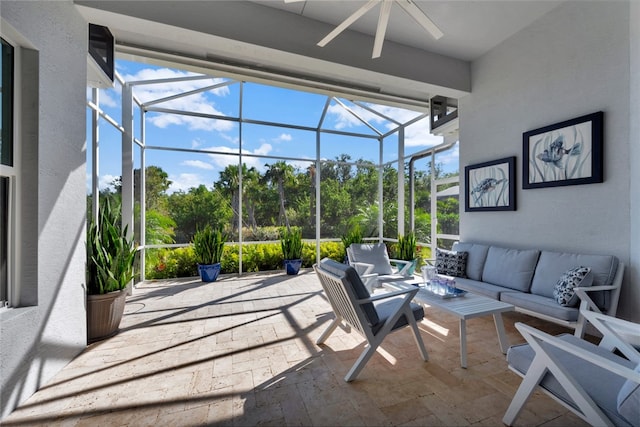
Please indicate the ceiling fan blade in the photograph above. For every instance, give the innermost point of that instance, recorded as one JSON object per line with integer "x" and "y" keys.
{"x": 422, "y": 19}
{"x": 383, "y": 20}
{"x": 350, "y": 20}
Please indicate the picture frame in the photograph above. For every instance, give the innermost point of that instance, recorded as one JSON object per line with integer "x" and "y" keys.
{"x": 491, "y": 186}
{"x": 565, "y": 153}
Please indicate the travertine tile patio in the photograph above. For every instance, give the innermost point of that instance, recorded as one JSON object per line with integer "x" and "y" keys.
{"x": 241, "y": 352}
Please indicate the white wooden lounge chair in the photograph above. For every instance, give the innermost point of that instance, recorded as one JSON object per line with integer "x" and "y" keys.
{"x": 371, "y": 261}
{"x": 372, "y": 316}
{"x": 599, "y": 383}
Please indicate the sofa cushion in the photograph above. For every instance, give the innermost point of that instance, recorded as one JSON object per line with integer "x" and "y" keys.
{"x": 480, "y": 288}
{"x": 451, "y": 263}
{"x": 602, "y": 385}
{"x": 629, "y": 400}
{"x": 372, "y": 253}
{"x": 511, "y": 268}
{"x": 552, "y": 265}
{"x": 539, "y": 304}
{"x": 386, "y": 308}
{"x": 476, "y": 258}
{"x": 563, "y": 291}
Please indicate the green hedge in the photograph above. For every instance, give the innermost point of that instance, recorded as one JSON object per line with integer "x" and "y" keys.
{"x": 181, "y": 262}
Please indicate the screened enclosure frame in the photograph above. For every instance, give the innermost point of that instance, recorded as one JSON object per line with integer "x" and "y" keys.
{"x": 130, "y": 102}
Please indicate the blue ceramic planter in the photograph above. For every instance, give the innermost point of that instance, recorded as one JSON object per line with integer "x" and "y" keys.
{"x": 292, "y": 266}
{"x": 209, "y": 272}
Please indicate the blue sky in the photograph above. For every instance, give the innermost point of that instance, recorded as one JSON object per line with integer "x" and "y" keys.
{"x": 260, "y": 103}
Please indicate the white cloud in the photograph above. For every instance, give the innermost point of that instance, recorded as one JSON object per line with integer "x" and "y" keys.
{"x": 197, "y": 164}
{"x": 450, "y": 157}
{"x": 264, "y": 149}
{"x": 104, "y": 98}
{"x": 284, "y": 137}
{"x": 183, "y": 182}
{"x": 224, "y": 161}
{"x": 418, "y": 135}
{"x": 344, "y": 119}
{"x": 105, "y": 181}
{"x": 199, "y": 103}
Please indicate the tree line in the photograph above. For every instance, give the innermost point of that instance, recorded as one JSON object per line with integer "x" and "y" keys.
{"x": 283, "y": 195}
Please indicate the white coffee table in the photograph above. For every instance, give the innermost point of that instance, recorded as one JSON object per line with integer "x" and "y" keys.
{"x": 466, "y": 307}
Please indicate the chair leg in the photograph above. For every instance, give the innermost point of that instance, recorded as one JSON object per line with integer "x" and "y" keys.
{"x": 332, "y": 327}
{"x": 418, "y": 338}
{"x": 366, "y": 354}
{"x": 529, "y": 383}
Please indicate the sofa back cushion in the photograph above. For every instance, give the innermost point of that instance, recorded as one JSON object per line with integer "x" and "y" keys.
{"x": 552, "y": 265}
{"x": 511, "y": 268}
{"x": 477, "y": 255}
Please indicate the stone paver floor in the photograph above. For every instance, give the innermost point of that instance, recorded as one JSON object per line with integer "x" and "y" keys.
{"x": 241, "y": 352}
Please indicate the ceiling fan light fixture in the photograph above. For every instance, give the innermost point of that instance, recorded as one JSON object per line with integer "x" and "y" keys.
{"x": 383, "y": 20}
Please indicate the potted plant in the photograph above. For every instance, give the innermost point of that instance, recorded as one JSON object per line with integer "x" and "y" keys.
{"x": 208, "y": 245}
{"x": 406, "y": 251}
{"x": 291, "y": 242}
{"x": 109, "y": 270}
{"x": 354, "y": 235}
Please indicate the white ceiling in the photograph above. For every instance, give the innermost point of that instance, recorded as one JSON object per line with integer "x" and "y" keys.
{"x": 471, "y": 28}
{"x": 280, "y": 38}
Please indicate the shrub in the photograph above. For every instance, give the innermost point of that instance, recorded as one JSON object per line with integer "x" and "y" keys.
{"x": 181, "y": 262}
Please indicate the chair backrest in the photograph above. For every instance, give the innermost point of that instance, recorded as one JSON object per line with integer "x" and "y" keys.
{"x": 344, "y": 287}
{"x": 371, "y": 253}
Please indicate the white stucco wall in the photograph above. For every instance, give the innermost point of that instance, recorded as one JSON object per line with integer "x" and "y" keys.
{"x": 37, "y": 340}
{"x": 571, "y": 62}
{"x": 631, "y": 294}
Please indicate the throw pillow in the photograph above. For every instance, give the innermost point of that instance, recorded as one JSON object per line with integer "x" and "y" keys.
{"x": 563, "y": 291}
{"x": 451, "y": 263}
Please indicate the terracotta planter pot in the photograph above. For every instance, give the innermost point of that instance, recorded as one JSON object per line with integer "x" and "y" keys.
{"x": 104, "y": 313}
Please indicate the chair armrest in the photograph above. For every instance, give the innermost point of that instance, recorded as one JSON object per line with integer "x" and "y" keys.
{"x": 595, "y": 288}
{"x": 616, "y": 334}
{"x": 401, "y": 264}
{"x": 363, "y": 268}
{"x": 586, "y": 303}
{"x": 391, "y": 294}
{"x": 535, "y": 337}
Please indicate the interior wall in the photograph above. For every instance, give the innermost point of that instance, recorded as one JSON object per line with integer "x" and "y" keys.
{"x": 571, "y": 62}
{"x": 48, "y": 328}
{"x": 631, "y": 294}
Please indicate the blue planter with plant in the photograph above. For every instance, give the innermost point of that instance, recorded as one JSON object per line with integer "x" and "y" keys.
{"x": 406, "y": 250}
{"x": 209, "y": 272}
{"x": 291, "y": 242}
{"x": 208, "y": 246}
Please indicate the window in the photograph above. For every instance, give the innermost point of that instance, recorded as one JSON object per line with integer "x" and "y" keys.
{"x": 7, "y": 172}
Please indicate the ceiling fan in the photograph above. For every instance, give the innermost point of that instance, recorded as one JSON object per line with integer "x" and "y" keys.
{"x": 385, "y": 10}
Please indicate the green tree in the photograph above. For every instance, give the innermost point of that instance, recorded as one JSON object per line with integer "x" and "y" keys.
{"x": 251, "y": 187}
{"x": 156, "y": 185}
{"x": 197, "y": 208}
{"x": 229, "y": 185}
{"x": 278, "y": 174}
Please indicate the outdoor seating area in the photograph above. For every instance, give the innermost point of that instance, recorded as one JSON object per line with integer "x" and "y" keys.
{"x": 241, "y": 351}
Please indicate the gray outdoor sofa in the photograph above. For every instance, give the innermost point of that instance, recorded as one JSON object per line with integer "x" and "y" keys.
{"x": 526, "y": 278}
